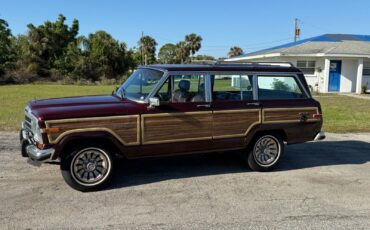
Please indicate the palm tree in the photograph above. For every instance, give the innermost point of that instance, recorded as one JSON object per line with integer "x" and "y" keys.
{"x": 193, "y": 42}
{"x": 235, "y": 51}
{"x": 147, "y": 46}
{"x": 182, "y": 52}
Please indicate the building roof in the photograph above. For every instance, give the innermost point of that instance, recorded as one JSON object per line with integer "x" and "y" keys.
{"x": 324, "y": 45}
{"x": 227, "y": 67}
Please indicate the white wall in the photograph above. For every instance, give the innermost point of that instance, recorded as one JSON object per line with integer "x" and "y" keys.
{"x": 348, "y": 72}
{"x": 349, "y": 75}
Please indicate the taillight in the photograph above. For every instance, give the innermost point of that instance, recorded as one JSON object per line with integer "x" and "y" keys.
{"x": 317, "y": 116}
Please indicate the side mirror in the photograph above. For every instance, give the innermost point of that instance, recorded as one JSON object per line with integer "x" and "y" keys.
{"x": 153, "y": 102}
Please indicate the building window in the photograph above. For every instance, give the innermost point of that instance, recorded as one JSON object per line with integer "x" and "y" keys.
{"x": 307, "y": 67}
{"x": 366, "y": 70}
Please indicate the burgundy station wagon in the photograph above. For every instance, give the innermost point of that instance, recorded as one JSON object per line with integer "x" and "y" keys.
{"x": 166, "y": 110}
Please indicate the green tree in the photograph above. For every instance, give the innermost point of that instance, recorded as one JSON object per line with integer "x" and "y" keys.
{"x": 203, "y": 57}
{"x": 7, "y": 52}
{"x": 235, "y": 51}
{"x": 281, "y": 85}
{"x": 193, "y": 43}
{"x": 147, "y": 46}
{"x": 47, "y": 44}
{"x": 167, "y": 54}
{"x": 108, "y": 53}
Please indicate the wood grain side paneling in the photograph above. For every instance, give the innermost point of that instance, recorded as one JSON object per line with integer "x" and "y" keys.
{"x": 125, "y": 128}
{"x": 287, "y": 115}
{"x": 234, "y": 123}
{"x": 166, "y": 128}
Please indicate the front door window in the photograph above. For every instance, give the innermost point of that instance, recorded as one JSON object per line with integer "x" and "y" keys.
{"x": 182, "y": 89}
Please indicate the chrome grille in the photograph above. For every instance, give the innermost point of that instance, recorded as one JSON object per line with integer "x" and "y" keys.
{"x": 27, "y": 119}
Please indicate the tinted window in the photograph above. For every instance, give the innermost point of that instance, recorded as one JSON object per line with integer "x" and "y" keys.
{"x": 278, "y": 87}
{"x": 232, "y": 87}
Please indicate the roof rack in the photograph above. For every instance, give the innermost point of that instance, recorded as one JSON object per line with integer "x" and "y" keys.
{"x": 282, "y": 64}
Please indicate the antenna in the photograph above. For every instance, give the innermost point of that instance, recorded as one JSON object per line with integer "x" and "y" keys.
{"x": 141, "y": 47}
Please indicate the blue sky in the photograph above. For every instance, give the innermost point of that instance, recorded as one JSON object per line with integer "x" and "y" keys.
{"x": 252, "y": 25}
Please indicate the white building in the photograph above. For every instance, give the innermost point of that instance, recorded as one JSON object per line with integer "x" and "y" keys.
{"x": 331, "y": 62}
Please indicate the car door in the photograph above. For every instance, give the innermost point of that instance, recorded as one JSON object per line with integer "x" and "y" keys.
{"x": 183, "y": 120}
{"x": 286, "y": 105}
{"x": 235, "y": 110}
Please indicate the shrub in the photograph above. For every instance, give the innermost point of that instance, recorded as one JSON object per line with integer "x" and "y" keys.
{"x": 364, "y": 88}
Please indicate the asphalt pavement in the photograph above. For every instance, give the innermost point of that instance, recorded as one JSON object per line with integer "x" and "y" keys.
{"x": 317, "y": 185}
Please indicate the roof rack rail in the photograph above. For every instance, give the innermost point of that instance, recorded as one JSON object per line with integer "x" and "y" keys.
{"x": 204, "y": 62}
{"x": 283, "y": 64}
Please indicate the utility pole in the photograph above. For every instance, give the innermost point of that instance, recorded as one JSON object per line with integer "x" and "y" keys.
{"x": 297, "y": 30}
{"x": 141, "y": 48}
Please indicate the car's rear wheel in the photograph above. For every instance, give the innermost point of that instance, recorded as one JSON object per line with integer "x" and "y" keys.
{"x": 88, "y": 168}
{"x": 266, "y": 152}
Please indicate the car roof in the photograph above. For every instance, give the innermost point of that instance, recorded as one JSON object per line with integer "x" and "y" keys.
{"x": 226, "y": 67}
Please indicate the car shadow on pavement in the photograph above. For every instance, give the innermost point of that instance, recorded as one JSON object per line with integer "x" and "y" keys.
{"x": 307, "y": 155}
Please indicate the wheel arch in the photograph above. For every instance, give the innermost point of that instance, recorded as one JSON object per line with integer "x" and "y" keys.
{"x": 260, "y": 131}
{"x": 86, "y": 138}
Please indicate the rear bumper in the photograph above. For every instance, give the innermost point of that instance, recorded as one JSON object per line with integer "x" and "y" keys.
{"x": 320, "y": 136}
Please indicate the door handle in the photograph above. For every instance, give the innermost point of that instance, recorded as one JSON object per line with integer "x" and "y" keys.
{"x": 204, "y": 106}
{"x": 253, "y": 103}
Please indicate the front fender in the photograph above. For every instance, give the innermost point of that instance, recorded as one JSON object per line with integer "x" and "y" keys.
{"x": 90, "y": 137}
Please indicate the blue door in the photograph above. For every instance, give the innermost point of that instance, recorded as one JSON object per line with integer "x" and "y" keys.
{"x": 334, "y": 75}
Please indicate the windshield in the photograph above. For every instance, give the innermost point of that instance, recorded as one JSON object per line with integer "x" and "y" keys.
{"x": 139, "y": 84}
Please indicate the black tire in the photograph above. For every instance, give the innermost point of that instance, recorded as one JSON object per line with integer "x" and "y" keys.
{"x": 99, "y": 160}
{"x": 261, "y": 161}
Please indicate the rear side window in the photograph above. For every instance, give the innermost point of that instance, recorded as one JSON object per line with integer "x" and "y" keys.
{"x": 279, "y": 87}
{"x": 232, "y": 87}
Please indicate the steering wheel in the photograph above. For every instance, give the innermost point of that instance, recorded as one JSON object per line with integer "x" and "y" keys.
{"x": 160, "y": 97}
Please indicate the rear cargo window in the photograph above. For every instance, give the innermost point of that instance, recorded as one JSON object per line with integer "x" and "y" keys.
{"x": 279, "y": 87}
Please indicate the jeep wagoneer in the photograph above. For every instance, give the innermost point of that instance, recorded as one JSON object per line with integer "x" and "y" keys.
{"x": 163, "y": 110}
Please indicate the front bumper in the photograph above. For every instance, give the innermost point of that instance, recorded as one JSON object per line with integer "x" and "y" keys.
{"x": 37, "y": 154}
{"x": 30, "y": 150}
{"x": 320, "y": 136}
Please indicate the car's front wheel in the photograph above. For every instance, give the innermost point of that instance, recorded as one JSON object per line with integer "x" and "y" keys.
{"x": 87, "y": 168}
{"x": 266, "y": 152}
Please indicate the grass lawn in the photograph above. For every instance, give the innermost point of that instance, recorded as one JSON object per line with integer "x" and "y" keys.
{"x": 13, "y": 99}
{"x": 345, "y": 113}
{"x": 341, "y": 113}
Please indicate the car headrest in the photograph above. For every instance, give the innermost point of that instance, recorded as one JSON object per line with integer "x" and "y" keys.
{"x": 184, "y": 85}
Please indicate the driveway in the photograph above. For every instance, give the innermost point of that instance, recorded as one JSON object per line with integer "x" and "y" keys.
{"x": 320, "y": 185}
